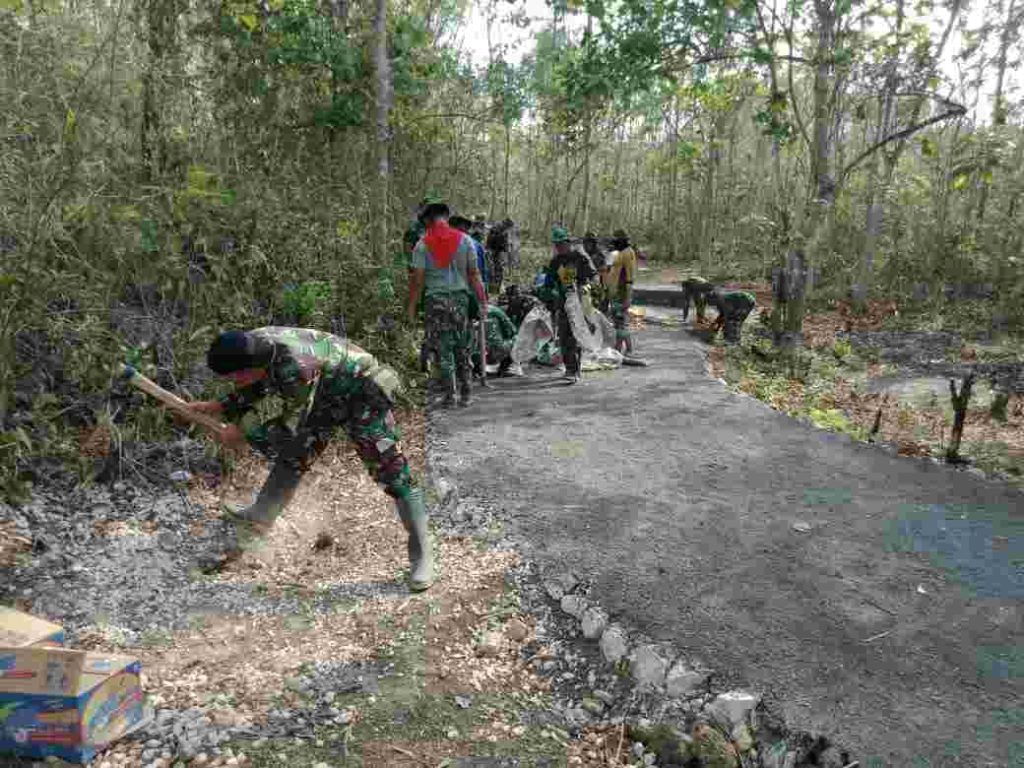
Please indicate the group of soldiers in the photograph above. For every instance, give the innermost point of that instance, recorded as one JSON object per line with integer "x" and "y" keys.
{"x": 323, "y": 383}
{"x": 451, "y": 273}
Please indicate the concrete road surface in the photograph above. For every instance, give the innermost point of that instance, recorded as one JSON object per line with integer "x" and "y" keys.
{"x": 893, "y": 625}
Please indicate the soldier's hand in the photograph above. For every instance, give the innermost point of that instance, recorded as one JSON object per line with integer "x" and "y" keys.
{"x": 232, "y": 437}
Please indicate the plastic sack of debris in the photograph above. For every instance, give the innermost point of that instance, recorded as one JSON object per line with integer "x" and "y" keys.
{"x": 534, "y": 331}
{"x": 595, "y": 334}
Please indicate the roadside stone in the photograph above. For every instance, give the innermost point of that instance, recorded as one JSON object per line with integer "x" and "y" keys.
{"x": 593, "y": 623}
{"x": 490, "y": 644}
{"x": 593, "y": 705}
{"x": 606, "y": 697}
{"x": 516, "y": 630}
{"x": 681, "y": 680}
{"x": 638, "y": 749}
{"x": 574, "y": 605}
{"x": 614, "y": 644}
{"x": 648, "y": 667}
{"x": 733, "y": 707}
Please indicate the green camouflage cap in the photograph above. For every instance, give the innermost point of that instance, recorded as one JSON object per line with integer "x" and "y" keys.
{"x": 559, "y": 234}
{"x": 433, "y": 202}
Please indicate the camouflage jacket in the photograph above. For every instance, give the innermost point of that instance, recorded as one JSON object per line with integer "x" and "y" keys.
{"x": 302, "y": 362}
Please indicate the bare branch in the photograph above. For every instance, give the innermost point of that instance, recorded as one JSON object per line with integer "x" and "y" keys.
{"x": 956, "y": 110}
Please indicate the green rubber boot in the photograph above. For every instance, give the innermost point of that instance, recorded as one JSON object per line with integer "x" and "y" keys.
{"x": 278, "y": 490}
{"x": 413, "y": 513}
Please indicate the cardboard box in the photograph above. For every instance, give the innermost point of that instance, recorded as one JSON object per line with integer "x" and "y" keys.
{"x": 64, "y": 703}
{"x": 19, "y": 630}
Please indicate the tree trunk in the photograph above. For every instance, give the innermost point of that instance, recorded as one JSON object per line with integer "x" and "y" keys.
{"x": 999, "y": 110}
{"x": 383, "y": 95}
{"x": 960, "y": 401}
{"x": 887, "y": 121}
{"x": 508, "y": 159}
{"x": 161, "y": 37}
{"x": 822, "y": 191}
{"x": 673, "y": 212}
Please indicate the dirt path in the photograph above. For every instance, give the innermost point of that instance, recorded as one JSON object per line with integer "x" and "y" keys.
{"x": 890, "y": 627}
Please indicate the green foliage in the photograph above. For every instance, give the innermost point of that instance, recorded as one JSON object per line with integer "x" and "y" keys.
{"x": 304, "y": 300}
{"x": 842, "y": 348}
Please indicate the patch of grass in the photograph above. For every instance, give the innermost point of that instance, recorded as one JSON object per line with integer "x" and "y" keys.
{"x": 842, "y": 349}
{"x": 286, "y": 753}
{"x": 503, "y": 609}
{"x": 996, "y": 457}
{"x": 157, "y": 638}
{"x": 834, "y": 420}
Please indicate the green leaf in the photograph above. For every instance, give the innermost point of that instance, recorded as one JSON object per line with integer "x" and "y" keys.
{"x": 70, "y": 125}
{"x": 928, "y": 147}
{"x": 248, "y": 20}
{"x": 960, "y": 182}
{"x": 986, "y": 178}
{"x": 149, "y": 236}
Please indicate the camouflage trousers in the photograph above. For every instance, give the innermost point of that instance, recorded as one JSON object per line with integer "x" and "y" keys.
{"x": 620, "y": 319}
{"x": 449, "y": 336}
{"x": 495, "y": 270}
{"x": 567, "y": 340}
{"x": 363, "y": 411}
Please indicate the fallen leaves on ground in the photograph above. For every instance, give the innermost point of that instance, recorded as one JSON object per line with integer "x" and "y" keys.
{"x": 11, "y": 544}
{"x": 601, "y": 747}
{"x": 470, "y": 647}
{"x": 407, "y": 754}
{"x": 250, "y": 659}
{"x": 822, "y": 329}
{"x": 916, "y": 430}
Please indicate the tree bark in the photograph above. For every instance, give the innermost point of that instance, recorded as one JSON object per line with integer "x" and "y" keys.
{"x": 383, "y": 94}
{"x": 960, "y": 400}
{"x": 886, "y": 127}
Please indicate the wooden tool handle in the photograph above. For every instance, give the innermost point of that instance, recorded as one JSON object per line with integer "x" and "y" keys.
{"x": 483, "y": 349}
{"x": 171, "y": 400}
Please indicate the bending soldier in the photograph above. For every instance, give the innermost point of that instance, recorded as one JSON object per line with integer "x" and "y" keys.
{"x": 324, "y": 382}
{"x": 733, "y": 308}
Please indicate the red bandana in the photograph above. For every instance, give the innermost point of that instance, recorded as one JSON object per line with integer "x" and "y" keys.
{"x": 442, "y": 241}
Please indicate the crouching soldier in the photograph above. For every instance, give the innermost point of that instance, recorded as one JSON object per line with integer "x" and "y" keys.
{"x": 697, "y": 290}
{"x": 323, "y": 382}
{"x": 733, "y": 308}
{"x": 501, "y": 334}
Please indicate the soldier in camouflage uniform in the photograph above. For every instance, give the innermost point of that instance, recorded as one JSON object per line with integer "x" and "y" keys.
{"x": 569, "y": 271}
{"x": 412, "y": 236}
{"x": 733, "y": 308}
{"x": 322, "y": 382}
{"x": 501, "y": 333}
{"x": 697, "y": 290}
{"x": 444, "y": 268}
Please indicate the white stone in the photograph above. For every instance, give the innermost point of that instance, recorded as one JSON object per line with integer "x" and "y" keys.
{"x": 682, "y": 680}
{"x": 554, "y": 590}
{"x": 593, "y": 623}
{"x": 574, "y": 605}
{"x": 734, "y": 706}
{"x": 648, "y": 667}
{"x": 614, "y": 645}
